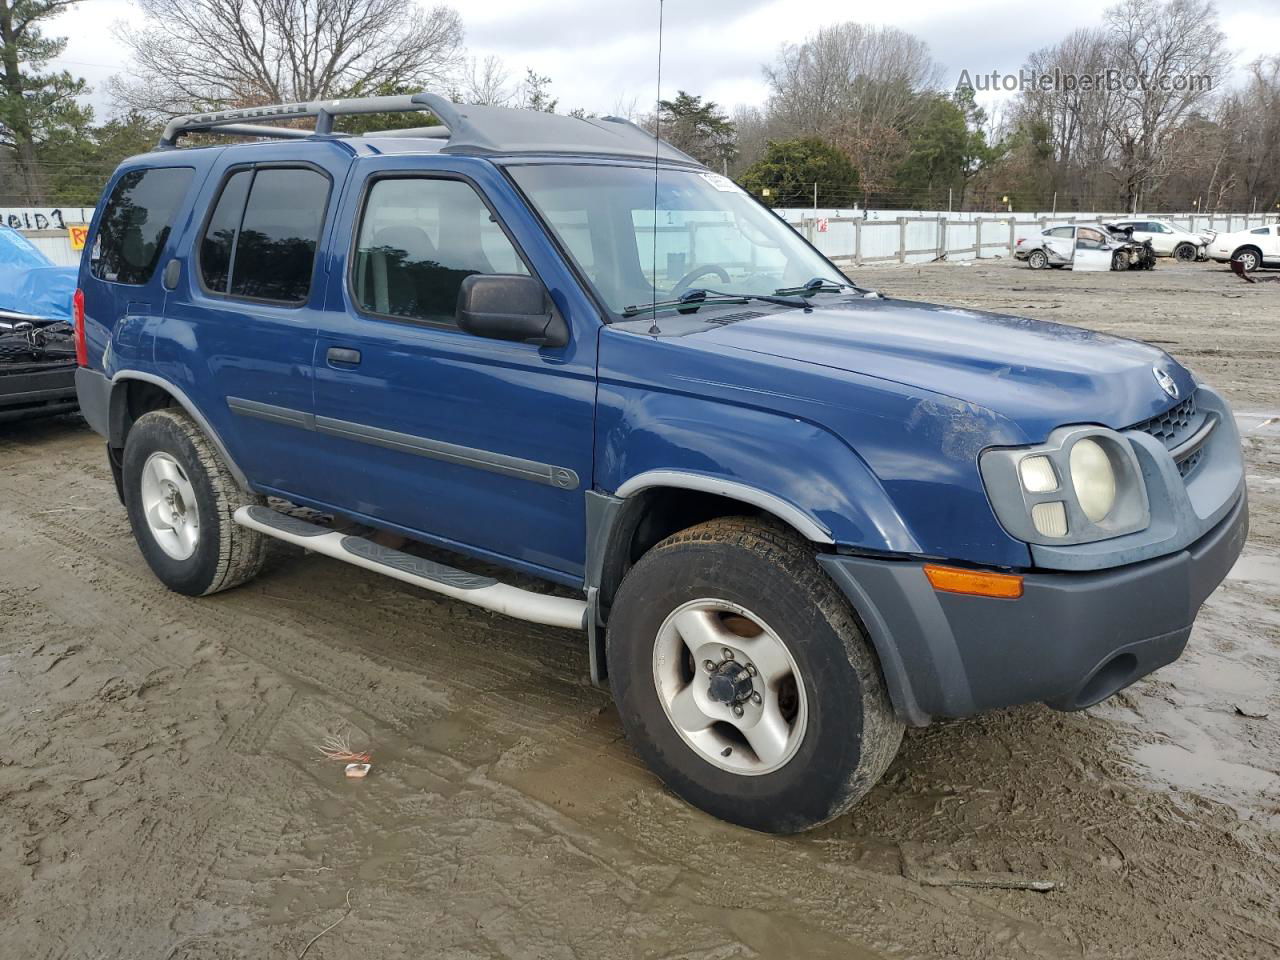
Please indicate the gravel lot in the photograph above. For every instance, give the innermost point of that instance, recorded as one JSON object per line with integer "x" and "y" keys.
{"x": 160, "y": 796}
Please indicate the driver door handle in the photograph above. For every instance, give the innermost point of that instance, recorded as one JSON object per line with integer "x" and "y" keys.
{"x": 343, "y": 356}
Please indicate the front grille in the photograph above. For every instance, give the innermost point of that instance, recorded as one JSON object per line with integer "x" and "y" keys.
{"x": 1174, "y": 425}
{"x": 1187, "y": 464}
{"x": 1173, "y": 428}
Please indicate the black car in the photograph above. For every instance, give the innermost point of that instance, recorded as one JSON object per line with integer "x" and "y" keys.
{"x": 37, "y": 367}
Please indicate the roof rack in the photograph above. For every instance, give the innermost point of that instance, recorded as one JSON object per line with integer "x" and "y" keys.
{"x": 468, "y": 129}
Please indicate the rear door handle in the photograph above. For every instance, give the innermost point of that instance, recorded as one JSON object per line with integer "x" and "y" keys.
{"x": 343, "y": 356}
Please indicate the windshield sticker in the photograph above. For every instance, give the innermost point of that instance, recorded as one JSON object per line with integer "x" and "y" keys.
{"x": 719, "y": 182}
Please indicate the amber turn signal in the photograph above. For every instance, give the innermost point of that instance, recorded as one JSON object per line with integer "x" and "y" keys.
{"x": 977, "y": 583}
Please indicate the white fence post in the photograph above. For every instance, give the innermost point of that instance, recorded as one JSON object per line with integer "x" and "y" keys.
{"x": 902, "y": 239}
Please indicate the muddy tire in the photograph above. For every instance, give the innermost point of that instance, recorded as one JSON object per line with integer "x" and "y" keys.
{"x": 1184, "y": 253}
{"x": 1037, "y": 260}
{"x": 744, "y": 680}
{"x": 180, "y": 497}
{"x": 1250, "y": 258}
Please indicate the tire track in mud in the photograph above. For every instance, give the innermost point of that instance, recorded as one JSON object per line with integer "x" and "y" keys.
{"x": 250, "y": 735}
{"x": 312, "y": 662}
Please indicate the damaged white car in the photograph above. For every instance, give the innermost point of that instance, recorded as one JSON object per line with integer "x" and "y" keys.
{"x": 1088, "y": 246}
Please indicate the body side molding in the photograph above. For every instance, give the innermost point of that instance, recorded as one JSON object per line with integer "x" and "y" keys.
{"x": 562, "y": 478}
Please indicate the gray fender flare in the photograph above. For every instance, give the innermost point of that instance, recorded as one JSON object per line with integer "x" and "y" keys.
{"x": 117, "y": 419}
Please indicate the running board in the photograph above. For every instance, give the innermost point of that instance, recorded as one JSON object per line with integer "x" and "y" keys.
{"x": 482, "y": 591}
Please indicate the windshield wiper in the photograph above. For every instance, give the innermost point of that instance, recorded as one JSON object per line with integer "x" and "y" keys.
{"x": 817, "y": 285}
{"x": 685, "y": 300}
{"x": 784, "y": 301}
{"x": 691, "y": 300}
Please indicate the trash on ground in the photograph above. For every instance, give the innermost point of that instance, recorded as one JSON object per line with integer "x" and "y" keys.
{"x": 337, "y": 746}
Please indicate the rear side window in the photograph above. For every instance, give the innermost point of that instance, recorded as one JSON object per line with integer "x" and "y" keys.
{"x": 418, "y": 240}
{"x": 220, "y": 234}
{"x": 136, "y": 223}
{"x": 260, "y": 241}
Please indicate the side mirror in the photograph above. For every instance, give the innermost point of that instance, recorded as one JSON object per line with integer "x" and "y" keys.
{"x": 506, "y": 306}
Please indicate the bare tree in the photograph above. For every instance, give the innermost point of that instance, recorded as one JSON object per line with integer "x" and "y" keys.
{"x": 1075, "y": 120}
{"x": 856, "y": 86}
{"x": 487, "y": 82}
{"x": 209, "y": 54}
{"x": 1168, "y": 55}
{"x": 1257, "y": 131}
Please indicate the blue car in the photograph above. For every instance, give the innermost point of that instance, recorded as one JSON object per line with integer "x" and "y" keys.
{"x": 793, "y": 516}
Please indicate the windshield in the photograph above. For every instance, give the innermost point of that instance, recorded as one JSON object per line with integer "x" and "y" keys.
{"x": 710, "y": 234}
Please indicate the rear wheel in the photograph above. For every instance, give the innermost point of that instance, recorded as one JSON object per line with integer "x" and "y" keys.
{"x": 180, "y": 497}
{"x": 1037, "y": 259}
{"x": 744, "y": 681}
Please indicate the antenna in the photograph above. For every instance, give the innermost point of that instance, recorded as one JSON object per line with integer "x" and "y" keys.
{"x": 657, "y": 143}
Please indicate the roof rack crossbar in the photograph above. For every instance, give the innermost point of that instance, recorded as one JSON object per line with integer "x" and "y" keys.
{"x": 435, "y": 132}
{"x": 241, "y": 122}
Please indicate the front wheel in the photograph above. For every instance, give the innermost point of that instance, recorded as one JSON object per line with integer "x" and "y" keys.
{"x": 1185, "y": 253}
{"x": 1120, "y": 260}
{"x": 744, "y": 681}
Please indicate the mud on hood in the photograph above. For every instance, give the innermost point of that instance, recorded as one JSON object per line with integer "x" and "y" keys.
{"x": 1037, "y": 374}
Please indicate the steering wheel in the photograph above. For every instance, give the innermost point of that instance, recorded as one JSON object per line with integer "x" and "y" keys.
{"x": 685, "y": 282}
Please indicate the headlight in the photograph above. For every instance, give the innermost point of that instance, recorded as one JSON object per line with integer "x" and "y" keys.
{"x": 1094, "y": 479}
{"x": 1082, "y": 485}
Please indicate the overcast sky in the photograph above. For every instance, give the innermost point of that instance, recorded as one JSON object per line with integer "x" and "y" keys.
{"x": 601, "y": 54}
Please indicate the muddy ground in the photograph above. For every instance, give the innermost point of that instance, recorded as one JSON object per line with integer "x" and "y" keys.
{"x": 160, "y": 796}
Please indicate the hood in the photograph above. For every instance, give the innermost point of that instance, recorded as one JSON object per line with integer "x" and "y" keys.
{"x": 1038, "y": 375}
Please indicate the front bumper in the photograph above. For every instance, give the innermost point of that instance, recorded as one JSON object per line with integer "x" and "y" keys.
{"x": 36, "y": 389}
{"x": 1071, "y": 640}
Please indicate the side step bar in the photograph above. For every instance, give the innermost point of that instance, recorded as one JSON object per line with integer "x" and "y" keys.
{"x": 458, "y": 584}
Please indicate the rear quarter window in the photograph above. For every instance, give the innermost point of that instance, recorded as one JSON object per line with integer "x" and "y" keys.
{"x": 136, "y": 223}
{"x": 261, "y": 237}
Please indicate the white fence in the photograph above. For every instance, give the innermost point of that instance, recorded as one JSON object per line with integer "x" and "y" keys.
{"x": 894, "y": 236}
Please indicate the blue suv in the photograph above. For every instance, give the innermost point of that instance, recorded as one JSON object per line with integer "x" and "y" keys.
{"x": 791, "y": 515}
